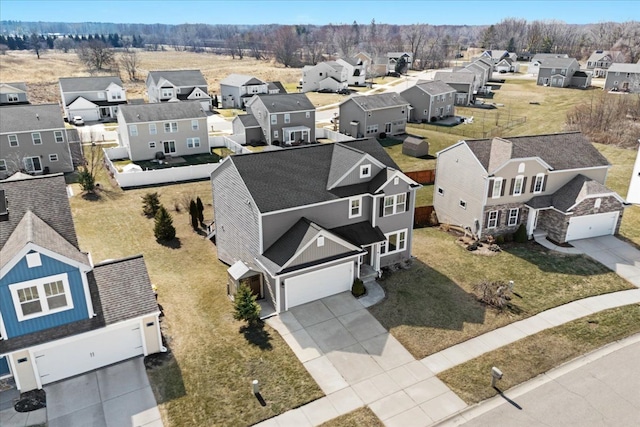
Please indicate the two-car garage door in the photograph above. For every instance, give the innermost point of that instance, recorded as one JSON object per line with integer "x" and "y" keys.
{"x": 318, "y": 284}
{"x": 584, "y": 227}
{"x": 85, "y": 354}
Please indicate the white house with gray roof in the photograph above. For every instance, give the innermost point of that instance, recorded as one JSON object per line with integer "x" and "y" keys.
{"x": 92, "y": 98}
{"x": 237, "y": 89}
{"x": 178, "y": 85}
{"x": 430, "y": 100}
{"x": 13, "y": 93}
{"x": 552, "y": 184}
{"x": 369, "y": 116}
{"x": 330, "y": 76}
{"x": 172, "y": 129}
{"x": 300, "y": 224}
{"x": 33, "y": 139}
{"x": 285, "y": 119}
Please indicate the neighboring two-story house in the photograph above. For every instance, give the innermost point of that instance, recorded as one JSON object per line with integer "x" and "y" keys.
{"x": 237, "y": 89}
{"x": 92, "y": 98}
{"x": 60, "y": 314}
{"x": 33, "y": 139}
{"x": 430, "y": 100}
{"x": 465, "y": 84}
{"x": 550, "y": 183}
{"x": 393, "y": 58}
{"x": 300, "y": 224}
{"x": 13, "y": 93}
{"x": 285, "y": 119}
{"x": 369, "y": 116}
{"x": 178, "y": 85}
{"x": 175, "y": 129}
{"x": 623, "y": 78}
{"x": 600, "y": 61}
{"x": 539, "y": 58}
{"x": 356, "y": 70}
{"x": 562, "y": 72}
{"x": 329, "y": 76}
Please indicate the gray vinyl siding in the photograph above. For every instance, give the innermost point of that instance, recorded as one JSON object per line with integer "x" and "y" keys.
{"x": 14, "y": 156}
{"x": 22, "y": 98}
{"x": 621, "y": 79}
{"x": 396, "y": 222}
{"x": 421, "y": 101}
{"x": 297, "y": 118}
{"x": 269, "y": 288}
{"x": 236, "y": 217}
{"x": 354, "y": 176}
{"x": 469, "y": 186}
{"x": 139, "y": 145}
{"x": 314, "y": 253}
{"x": 349, "y": 112}
{"x": 328, "y": 215}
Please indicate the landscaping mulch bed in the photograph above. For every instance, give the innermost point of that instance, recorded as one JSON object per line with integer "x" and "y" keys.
{"x": 31, "y": 401}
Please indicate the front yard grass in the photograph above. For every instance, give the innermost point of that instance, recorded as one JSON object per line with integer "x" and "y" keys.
{"x": 360, "y": 417}
{"x": 208, "y": 380}
{"x": 539, "y": 353}
{"x": 431, "y": 306}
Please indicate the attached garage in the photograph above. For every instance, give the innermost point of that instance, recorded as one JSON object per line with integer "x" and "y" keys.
{"x": 584, "y": 227}
{"x": 318, "y": 284}
{"x": 84, "y": 354}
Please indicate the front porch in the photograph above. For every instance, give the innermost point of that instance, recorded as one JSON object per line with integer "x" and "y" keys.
{"x": 296, "y": 135}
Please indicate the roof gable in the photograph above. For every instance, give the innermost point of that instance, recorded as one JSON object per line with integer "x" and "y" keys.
{"x": 284, "y": 102}
{"x": 88, "y": 84}
{"x": 378, "y": 101}
{"x": 13, "y": 87}
{"x": 178, "y": 77}
{"x": 162, "y": 111}
{"x": 240, "y": 80}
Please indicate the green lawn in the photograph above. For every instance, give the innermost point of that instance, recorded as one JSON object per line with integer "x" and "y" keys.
{"x": 539, "y": 353}
{"x": 424, "y": 196}
{"x": 208, "y": 382}
{"x": 431, "y": 306}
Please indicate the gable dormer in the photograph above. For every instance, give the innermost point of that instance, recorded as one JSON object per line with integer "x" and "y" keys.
{"x": 350, "y": 166}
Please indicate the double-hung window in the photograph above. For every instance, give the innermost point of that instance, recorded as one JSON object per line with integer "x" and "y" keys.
{"x": 492, "y": 222}
{"x": 39, "y": 297}
{"x": 395, "y": 204}
{"x": 193, "y": 142}
{"x": 355, "y": 207}
{"x": 538, "y": 184}
{"x": 153, "y": 130}
{"x": 497, "y": 188}
{"x": 171, "y": 127}
{"x": 396, "y": 242}
{"x": 59, "y": 137}
{"x": 195, "y": 125}
{"x": 13, "y": 140}
{"x": 513, "y": 216}
{"x": 133, "y": 130}
{"x": 517, "y": 185}
{"x": 37, "y": 139}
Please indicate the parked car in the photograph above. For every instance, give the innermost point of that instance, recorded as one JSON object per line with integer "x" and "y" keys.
{"x": 77, "y": 120}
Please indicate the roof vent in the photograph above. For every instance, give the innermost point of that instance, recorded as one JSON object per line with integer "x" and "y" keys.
{"x": 37, "y": 116}
{"x": 138, "y": 115}
{"x": 273, "y": 104}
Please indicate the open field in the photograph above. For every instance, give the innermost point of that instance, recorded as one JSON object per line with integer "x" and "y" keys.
{"x": 536, "y": 354}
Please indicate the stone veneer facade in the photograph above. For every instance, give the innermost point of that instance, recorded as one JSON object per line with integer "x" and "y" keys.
{"x": 503, "y": 219}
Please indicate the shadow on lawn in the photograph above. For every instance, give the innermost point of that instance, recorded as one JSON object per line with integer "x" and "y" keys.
{"x": 172, "y": 244}
{"x": 165, "y": 374}
{"x": 422, "y": 296}
{"x": 257, "y": 335}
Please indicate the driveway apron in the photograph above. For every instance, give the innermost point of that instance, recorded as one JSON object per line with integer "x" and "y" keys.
{"x": 615, "y": 254}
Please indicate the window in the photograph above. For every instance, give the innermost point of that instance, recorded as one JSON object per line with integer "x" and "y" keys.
{"x": 355, "y": 207}
{"x": 517, "y": 186}
{"x": 320, "y": 241}
{"x": 53, "y": 157}
{"x": 32, "y": 164}
{"x": 597, "y": 203}
{"x": 539, "y": 183}
{"x": 166, "y": 93}
{"x": 274, "y": 119}
{"x": 372, "y": 129}
{"x": 365, "y": 171}
{"x": 169, "y": 147}
{"x": 492, "y": 222}
{"x": 33, "y": 260}
{"x": 396, "y": 242}
{"x": 441, "y": 191}
{"x": 12, "y": 97}
{"x": 395, "y": 204}
{"x": 13, "y": 140}
{"x": 152, "y": 129}
{"x": 387, "y": 127}
{"x": 287, "y": 118}
{"x": 193, "y": 142}
{"x": 39, "y": 297}
{"x": 37, "y": 139}
{"x": 58, "y": 136}
{"x": 513, "y": 216}
{"x": 133, "y": 130}
{"x": 152, "y": 144}
{"x": 497, "y": 188}
{"x": 462, "y": 204}
{"x": 171, "y": 127}
{"x": 521, "y": 168}
{"x": 195, "y": 125}
{"x": 275, "y": 133}
{"x": 3, "y": 165}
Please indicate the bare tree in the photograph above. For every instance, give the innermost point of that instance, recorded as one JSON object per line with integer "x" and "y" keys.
{"x": 346, "y": 40}
{"x": 314, "y": 46}
{"x": 96, "y": 55}
{"x": 65, "y": 44}
{"x": 129, "y": 61}
{"x": 37, "y": 44}
{"x": 415, "y": 35}
{"x": 285, "y": 44}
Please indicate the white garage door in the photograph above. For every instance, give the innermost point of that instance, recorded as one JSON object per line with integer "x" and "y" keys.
{"x": 583, "y": 227}
{"x": 93, "y": 352}
{"x": 89, "y": 115}
{"x": 319, "y": 284}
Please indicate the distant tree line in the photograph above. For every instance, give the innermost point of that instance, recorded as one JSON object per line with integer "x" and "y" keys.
{"x": 67, "y": 42}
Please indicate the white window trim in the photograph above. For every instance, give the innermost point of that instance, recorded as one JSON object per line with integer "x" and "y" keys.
{"x": 58, "y": 136}
{"x": 365, "y": 171}
{"x": 539, "y": 176}
{"x": 351, "y": 207}
{"x": 133, "y": 130}
{"x": 462, "y": 204}
{"x": 16, "y": 141}
{"x": 395, "y": 205}
{"x": 171, "y": 127}
{"x": 287, "y": 118}
{"x": 495, "y": 220}
{"x": 39, "y": 138}
{"x": 515, "y": 219}
{"x": 521, "y": 167}
{"x": 320, "y": 241}
{"x": 384, "y": 246}
{"x": 3, "y": 165}
{"x": 153, "y": 129}
{"x": 33, "y": 260}
{"x": 519, "y": 178}
{"x": 195, "y": 125}
{"x": 497, "y": 185}
{"x": 195, "y": 142}
{"x": 39, "y": 283}
{"x": 440, "y": 191}
{"x": 152, "y": 144}
{"x": 53, "y": 157}
{"x": 273, "y": 119}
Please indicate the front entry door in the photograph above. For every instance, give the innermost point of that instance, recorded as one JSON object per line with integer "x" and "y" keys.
{"x": 254, "y": 285}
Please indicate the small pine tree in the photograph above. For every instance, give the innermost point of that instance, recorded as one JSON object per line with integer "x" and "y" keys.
{"x": 150, "y": 204}
{"x": 86, "y": 180}
{"x": 200, "y": 207}
{"x": 245, "y": 305}
{"x": 520, "y": 236}
{"x": 193, "y": 213}
{"x": 163, "y": 228}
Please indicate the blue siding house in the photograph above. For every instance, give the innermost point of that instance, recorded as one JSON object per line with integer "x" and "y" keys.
{"x": 61, "y": 315}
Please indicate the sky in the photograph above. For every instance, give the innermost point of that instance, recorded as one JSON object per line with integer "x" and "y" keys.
{"x": 317, "y": 12}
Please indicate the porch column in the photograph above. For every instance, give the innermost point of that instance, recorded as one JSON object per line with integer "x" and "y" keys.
{"x": 531, "y": 222}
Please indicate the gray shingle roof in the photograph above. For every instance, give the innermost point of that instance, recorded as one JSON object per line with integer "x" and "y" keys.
{"x": 624, "y": 68}
{"x": 46, "y": 196}
{"x": 282, "y": 103}
{"x": 570, "y": 194}
{"x": 561, "y": 151}
{"x": 342, "y": 159}
{"x": 248, "y": 120}
{"x": 88, "y": 84}
{"x": 162, "y": 111}
{"x": 459, "y": 78}
{"x": 556, "y": 62}
{"x": 240, "y": 80}
{"x": 25, "y": 118}
{"x": 600, "y": 54}
{"x": 301, "y": 233}
{"x": 18, "y": 85}
{"x": 434, "y": 87}
{"x": 360, "y": 233}
{"x": 379, "y": 101}
{"x": 276, "y": 85}
{"x": 180, "y": 77}
{"x": 274, "y": 177}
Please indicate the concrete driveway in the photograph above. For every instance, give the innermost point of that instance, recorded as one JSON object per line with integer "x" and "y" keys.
{"x": 615, "y": 254}
{"x": 356, "y": 362}
{"x": 115, "y": 396}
